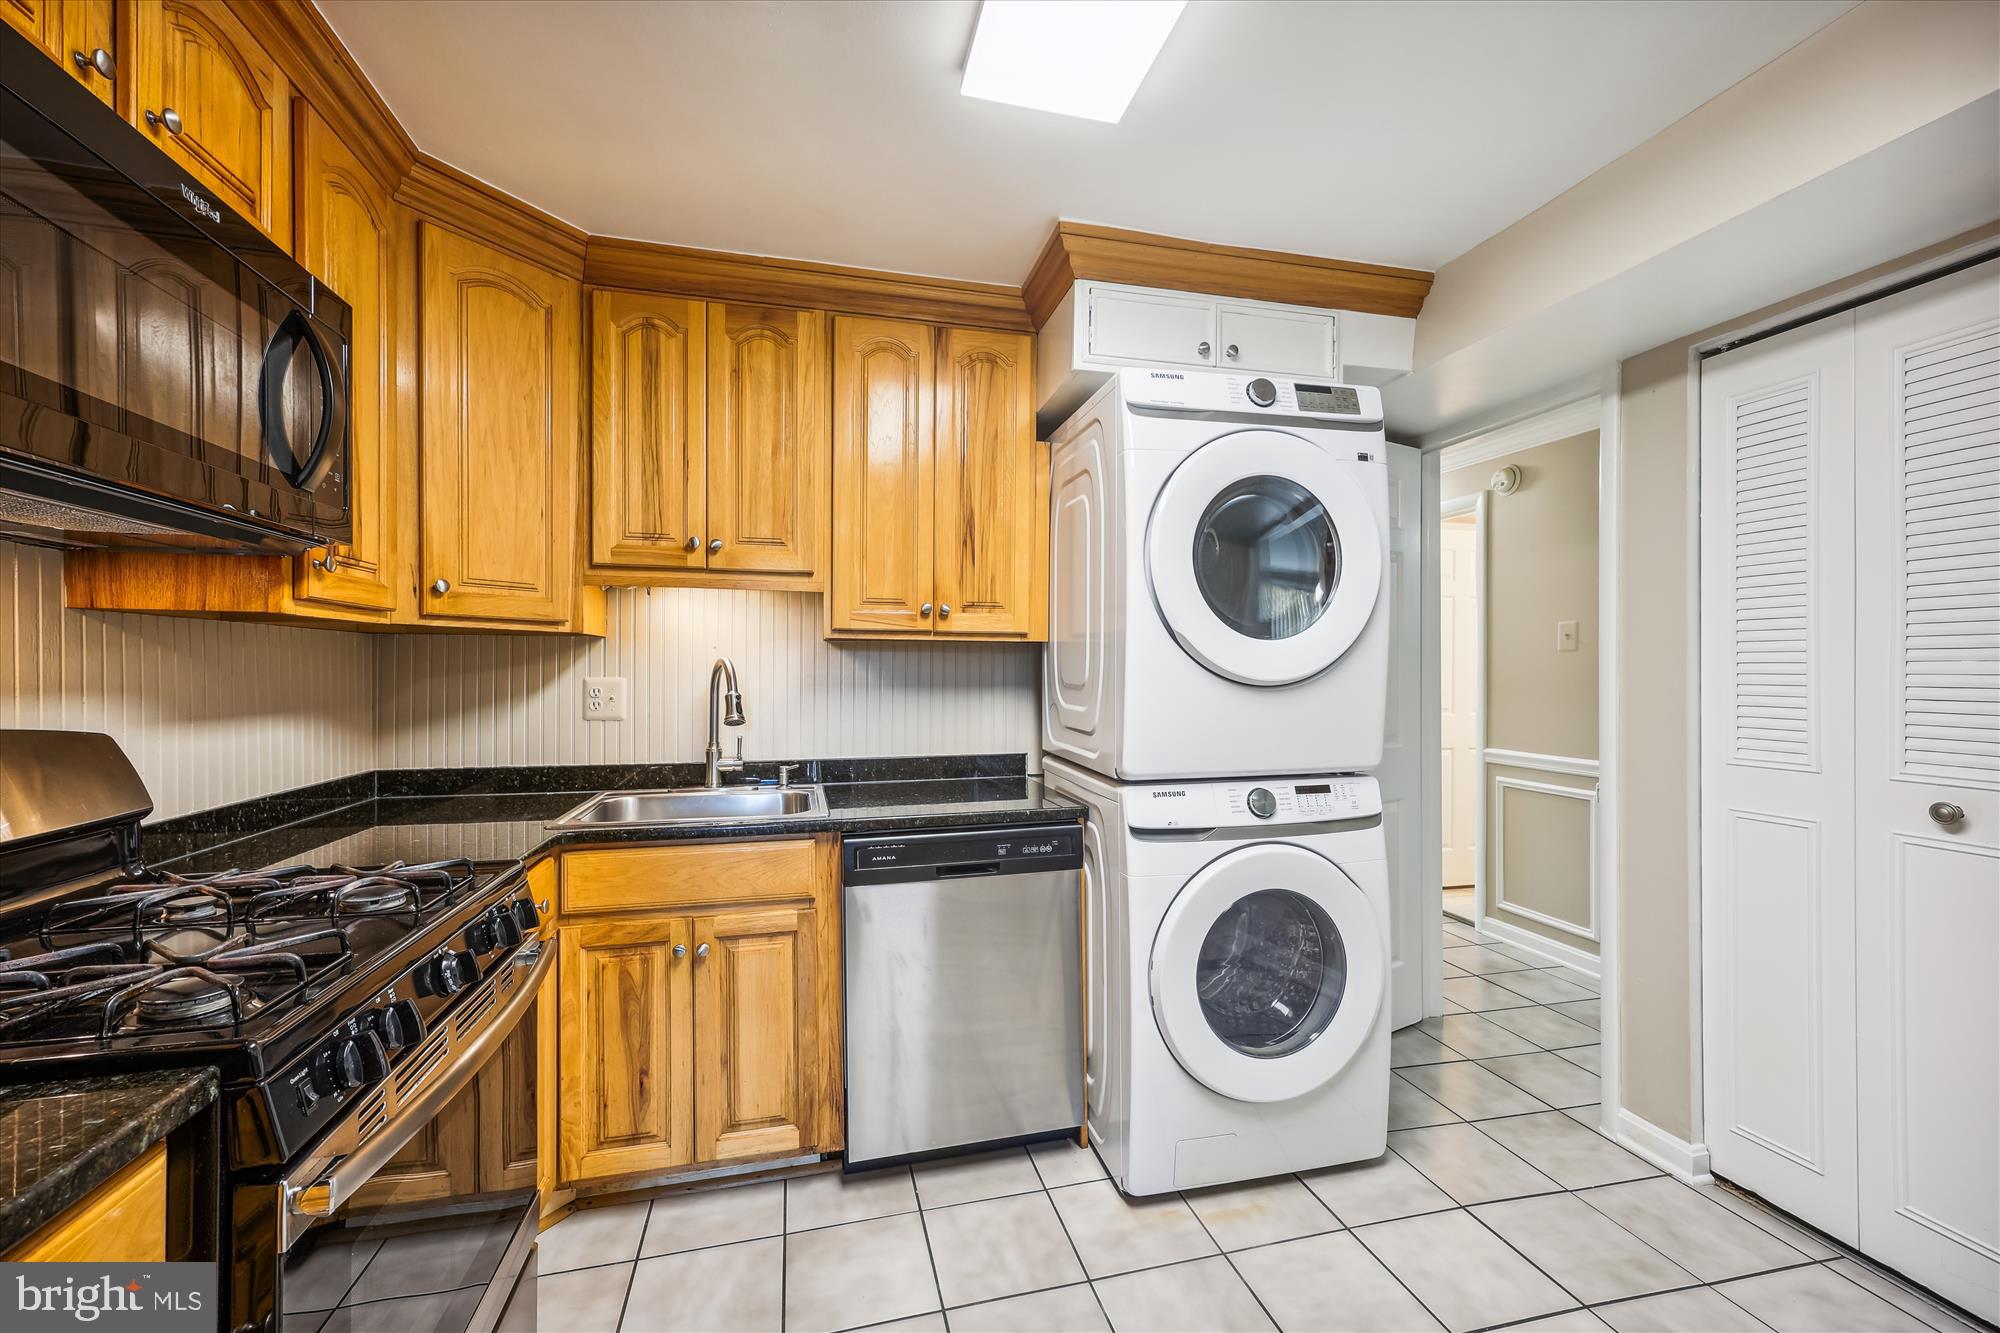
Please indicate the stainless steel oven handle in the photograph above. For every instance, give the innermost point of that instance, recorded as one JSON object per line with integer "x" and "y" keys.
{"x": 325, "y": 1195}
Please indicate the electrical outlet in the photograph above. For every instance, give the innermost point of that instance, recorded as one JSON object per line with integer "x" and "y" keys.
{"x": 1565, "y": 638}
{"x": 604, "y": 698}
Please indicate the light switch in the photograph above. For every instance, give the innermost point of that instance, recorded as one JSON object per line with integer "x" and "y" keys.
{"x": 604, "y": 698}
{"x": 1565, "y": 636}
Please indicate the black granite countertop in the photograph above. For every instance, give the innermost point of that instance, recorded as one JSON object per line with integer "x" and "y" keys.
{"x": 60, "y": 1140}
{"x": 503, "y": 814}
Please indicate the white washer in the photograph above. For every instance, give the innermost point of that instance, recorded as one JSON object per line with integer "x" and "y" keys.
{"x": 1238, "y": 972}
{"x": 1219, "y": 546}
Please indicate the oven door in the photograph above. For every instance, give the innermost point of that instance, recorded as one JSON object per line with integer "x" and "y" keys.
{"x": 426, "y": 1220}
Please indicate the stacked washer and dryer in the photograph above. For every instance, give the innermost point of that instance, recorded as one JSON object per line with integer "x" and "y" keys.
{"x": 1214, "y": 691}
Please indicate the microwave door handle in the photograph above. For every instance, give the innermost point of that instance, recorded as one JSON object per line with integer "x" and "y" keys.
{"x": 271, "y": 403}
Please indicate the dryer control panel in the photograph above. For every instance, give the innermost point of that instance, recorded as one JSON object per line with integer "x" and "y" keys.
{"x": 1250, "y": 802}
{"x": 1198, "y": 391}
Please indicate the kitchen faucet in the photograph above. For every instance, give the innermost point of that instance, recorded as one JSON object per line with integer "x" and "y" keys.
{"x": 718, "y": 695}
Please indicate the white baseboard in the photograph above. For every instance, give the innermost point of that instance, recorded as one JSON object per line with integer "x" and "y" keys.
{"x": 1553, "y": 950}
{"x": 1688, "y": 1161}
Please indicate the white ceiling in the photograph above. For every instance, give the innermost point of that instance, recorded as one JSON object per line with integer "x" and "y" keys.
{"x": 1398, "y": 133}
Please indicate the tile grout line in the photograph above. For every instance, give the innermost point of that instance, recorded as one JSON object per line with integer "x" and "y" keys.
{"x": 1063, "y": 1222}
{"x": 625, "y": 1301}
{"x": 1182, "y": 1196}
{"x": 930, "y": 1256}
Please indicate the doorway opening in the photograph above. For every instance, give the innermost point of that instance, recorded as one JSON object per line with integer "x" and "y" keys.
{"x": 1460, "y": 649}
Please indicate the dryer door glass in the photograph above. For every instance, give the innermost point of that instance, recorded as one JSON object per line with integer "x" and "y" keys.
{"x": 1271, "y": 973}
{"x": 1267, "y": 557}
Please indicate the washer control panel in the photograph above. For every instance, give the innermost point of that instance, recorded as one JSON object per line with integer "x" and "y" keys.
{"x": 1249, "y": 803}
{"x": 1199, "y": 391}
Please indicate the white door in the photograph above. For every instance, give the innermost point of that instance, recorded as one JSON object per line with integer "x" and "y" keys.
{"x": 1927, "y": 437}
{"x": 1777, "y": 739}
{"x": 1267, "y": 972}
{"x": 1413, "y": 931}
{"x": 1458, "y": 662}
{"x": 1264, "y": 556}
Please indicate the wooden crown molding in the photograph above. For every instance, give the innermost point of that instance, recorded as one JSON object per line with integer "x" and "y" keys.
{"x": 1077, "y": 250}
{"x": 719, "y": 275}
{"x": 442, "y": 193}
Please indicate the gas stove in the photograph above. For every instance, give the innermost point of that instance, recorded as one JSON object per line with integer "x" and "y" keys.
{"x": 344, "y": 1006}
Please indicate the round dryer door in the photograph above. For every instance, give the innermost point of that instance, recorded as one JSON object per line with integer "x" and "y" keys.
{"x": 1267, "y": 973}
{"x": 1264, "y": 557}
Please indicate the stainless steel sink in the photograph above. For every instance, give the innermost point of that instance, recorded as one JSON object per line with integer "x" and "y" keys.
{"x": 693, "y": 805}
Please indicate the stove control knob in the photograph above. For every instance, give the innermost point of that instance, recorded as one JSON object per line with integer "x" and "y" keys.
{"x": 373, "y": 1055}
{"x": 1262, "y": 803}
{"x": 453, "y": 972}
{"x": 337, "y": 1069}
{"x": 506, "y": 928}
{"x": 525, "y": 913}
{"x": 479, "y": 937}
{"x": 399, "y": 1024}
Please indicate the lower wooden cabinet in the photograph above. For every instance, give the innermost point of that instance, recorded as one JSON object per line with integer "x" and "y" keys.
{"x": 124, "y": 1220}
{"x": 705, "y": 1034}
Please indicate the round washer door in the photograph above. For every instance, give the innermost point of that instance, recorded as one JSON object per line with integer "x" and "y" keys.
{"x": 1264, "y": 557}
{"x": 1267, "y": 973}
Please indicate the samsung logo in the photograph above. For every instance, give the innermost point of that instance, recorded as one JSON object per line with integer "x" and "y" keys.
{"x": 1165, "y": 375}
{"x": 1158, "y": 794}
{"x": 201, "y": 205}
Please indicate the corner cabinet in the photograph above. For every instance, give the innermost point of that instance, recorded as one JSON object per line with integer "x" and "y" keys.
{"x": 699, "y": 1008}
{"x": 940, "y": 489}
{"x": 708, "y": 442}
{"x": 497, "y": 533}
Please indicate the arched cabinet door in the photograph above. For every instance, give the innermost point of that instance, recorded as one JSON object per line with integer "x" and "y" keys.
{"x": 767, "y": 452}
{"x": 648, "y": 432}
{"x": 499, "y": 416}
{"x": 883, "y": 383}
{"x": 992, "y": 488}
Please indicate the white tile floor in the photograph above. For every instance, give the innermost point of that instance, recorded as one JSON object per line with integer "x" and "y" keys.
{"x": 1498, "y": 1204}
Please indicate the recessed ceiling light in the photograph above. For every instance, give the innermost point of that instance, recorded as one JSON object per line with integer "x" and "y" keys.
{"x": 1073, "y": 57}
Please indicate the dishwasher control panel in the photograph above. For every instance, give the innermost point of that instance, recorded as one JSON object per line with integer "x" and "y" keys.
{"x": 961, "y": 853}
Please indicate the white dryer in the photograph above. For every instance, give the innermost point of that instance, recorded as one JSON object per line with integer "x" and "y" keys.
{"x": 1218, "y": 550}
{"x": 1238, "y": 966}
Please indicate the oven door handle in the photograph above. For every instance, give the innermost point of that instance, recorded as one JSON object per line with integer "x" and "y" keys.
{"x": 324, "y": 1196}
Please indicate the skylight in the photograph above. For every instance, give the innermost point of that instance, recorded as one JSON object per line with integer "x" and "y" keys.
{"x": 1073, "y": 57}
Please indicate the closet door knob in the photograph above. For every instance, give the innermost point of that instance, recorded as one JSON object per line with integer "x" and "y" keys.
{"x": 168, "y": 117}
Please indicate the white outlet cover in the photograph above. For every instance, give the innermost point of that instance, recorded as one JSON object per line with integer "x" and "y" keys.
{"x": 604, "y": 698}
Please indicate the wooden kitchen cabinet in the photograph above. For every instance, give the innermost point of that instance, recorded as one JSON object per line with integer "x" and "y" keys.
{"x": 497, "y": 535}
{"x": 124, "y": 1220}
{"x": 217, "y": 103}
{"x": 440, "y": 1162}
{"x": 940, "y": 490}
{"x": 67, "y": 29}
{"x": 648, "y": 431}
{"x": 705, "y": 1032}
{"x": 767, "y": 460}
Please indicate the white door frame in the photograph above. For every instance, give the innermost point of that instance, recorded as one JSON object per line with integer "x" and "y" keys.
{"x": 1854, "y": 294}
{"x": 1476, "y": 506}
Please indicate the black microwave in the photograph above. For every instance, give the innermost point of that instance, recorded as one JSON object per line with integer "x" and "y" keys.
{"x": 169, "y": 378}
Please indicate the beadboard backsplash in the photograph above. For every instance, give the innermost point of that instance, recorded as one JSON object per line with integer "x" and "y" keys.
{"x": 215, "y": 711}
{"x": 452, "y": 700}
{"x": 211, "y": 711}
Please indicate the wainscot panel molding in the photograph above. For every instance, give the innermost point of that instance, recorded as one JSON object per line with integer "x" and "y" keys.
{"x": 1523, "y": 789}
{"x": 1541, "y": 763}
{"x": 210, "y": 711}
{"x": 466, "y": 700}
{"x": 1142, "y": 259}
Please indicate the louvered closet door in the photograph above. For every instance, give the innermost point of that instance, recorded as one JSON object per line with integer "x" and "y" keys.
{"x": 1927, "y": 431}
{"x": 1777, "y": 632}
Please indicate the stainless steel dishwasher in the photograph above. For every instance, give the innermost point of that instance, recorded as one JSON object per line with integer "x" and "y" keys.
{"x": 964, "y": 979}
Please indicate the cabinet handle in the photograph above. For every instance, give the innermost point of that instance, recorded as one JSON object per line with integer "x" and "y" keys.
{"x": 680, "y": 951}
{"x": 1945, "y": 815}
{"x": 925, "y": 611}
{"x": 1230, "y": 351}
{"x": 441, "y": 587}
{"x": 99, "y": 59}
{"x": 328, "y": 562}
{"x": 1200, "y": 348}
{"x": 714, "y": 545}
{"x": 694, "y": 543}
{"x": 168, "y": 117}
{"x": 701, "y": 951}
{"x": 944, "y": 611}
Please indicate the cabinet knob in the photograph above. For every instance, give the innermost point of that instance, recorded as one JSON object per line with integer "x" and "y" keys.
{"x": 680, "y": 951}
{"x": 99, "y": 60}
{"x": 1944, "y": 814}
{"x": 694, "y": 543}
{"x": 944, "y": 611}
{"x": 327, "y": 563}
{"x": 714, "y": 545}
{"x": 925, "y": 611}
{"x": 1201, "y": 349}
{"x": 701, "y": 951}
{"x": 441, "y": 587}
{"x": 167, "y": 117}
{"x": 1230, "y": 351}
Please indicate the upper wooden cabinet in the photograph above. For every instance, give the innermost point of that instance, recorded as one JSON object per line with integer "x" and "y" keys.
{"x": 499, "y": 419}
{"x": 72, "y": 32}
{"x": 216, "y": 101}
{"x": 648, "y": 432}
{"x": 940, "y": 491}
{"x": 708, "y": 442}
{"x": 346, "y": 238}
